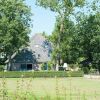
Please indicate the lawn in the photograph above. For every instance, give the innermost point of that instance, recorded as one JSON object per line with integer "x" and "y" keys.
{"x": 51, "y": 88}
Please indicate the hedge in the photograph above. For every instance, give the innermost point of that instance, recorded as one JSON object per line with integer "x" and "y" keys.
{"x": 16, "y": 74}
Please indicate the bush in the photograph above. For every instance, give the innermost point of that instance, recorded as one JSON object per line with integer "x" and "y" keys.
{"x": 15, "y": 74}
{"x": 1, "y": 67}
{"x": 49, "y": 66}
{"x": 86, "y": 70}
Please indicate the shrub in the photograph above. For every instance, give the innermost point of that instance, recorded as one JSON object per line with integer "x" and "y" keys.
{"x": 49, "y": 66}
{"x": 14, "y": 74}
{"x": 86, "y": 70}
{"x": 1, "y": 67}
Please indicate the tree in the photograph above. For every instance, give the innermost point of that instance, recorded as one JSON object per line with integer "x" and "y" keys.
{"x": 14, "y": 25}
{"x": 60, "y": 6}
{"x": 64, "y": 8}
{"x": 65, "y": 40}
{"x": 87, "y": 39}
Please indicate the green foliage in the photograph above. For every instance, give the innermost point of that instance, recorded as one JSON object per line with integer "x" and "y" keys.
{"x": 64, "y": 28}
{"x": 86, "y": 70}
{"x": 41, "y": 74}
{"x": 60, "y": 6}
{"x": 14, "y": 25}
{"x": 65, "y": 40}
{"x": 93, "y": 71}
{"x": 49, "y": 65}
{"x": 87, "y": 39}
{"x": 1, "y": 67}
{"x": 73, "y": 41}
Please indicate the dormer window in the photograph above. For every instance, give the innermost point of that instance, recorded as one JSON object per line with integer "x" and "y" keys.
{"x": 39, "y": 56}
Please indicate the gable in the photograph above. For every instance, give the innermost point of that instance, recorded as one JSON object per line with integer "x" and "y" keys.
{"x": 24, "y": 56}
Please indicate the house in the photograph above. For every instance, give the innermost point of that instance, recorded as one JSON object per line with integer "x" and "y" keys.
{"x": 31, "y": 57}
{"x": 41, "y": 47}
{"x": 22, "y": 60}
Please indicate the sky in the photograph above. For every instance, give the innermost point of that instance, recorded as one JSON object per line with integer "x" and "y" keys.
{"x": 43, "y": 20}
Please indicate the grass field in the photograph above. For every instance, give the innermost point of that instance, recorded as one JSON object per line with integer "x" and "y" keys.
{"x": 52, "y": 88}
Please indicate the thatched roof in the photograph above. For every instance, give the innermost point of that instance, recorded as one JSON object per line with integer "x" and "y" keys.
{"x": 41, "y": 47}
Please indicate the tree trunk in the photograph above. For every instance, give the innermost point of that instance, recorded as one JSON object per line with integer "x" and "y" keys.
{"x": 9, "y": 63}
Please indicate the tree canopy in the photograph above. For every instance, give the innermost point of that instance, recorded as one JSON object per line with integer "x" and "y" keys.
{"x": 63, "y": 8}
{"x": 87, "y": 39}
{"x": 78, "y": 39}
{"x": 14, "y": 25}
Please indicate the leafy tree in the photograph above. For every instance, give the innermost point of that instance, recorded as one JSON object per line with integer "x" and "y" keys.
{"x": 14, "y": 25}
{"x": 65, "y": 40}
{"x": 87, "y": 39}
{"x": 60, "y": 6}
{"x": 64, "y": 9}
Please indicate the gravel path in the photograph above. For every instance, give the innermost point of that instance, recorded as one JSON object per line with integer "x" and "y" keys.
{"x": 92, "y": 76}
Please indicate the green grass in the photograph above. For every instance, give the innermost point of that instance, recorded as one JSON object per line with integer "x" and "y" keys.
{"x": 51, "y": 88}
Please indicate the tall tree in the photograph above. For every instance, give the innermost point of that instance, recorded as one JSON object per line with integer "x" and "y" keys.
{"x": 64, "y": 9}
{"x": 14, "y": 25}
{"x": 65, "y": 40}
{"x": 87, "y": 39}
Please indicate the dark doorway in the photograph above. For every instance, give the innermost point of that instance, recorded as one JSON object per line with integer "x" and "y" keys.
{"x": 29, "y": 66}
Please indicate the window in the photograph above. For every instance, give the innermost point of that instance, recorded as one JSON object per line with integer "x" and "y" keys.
{"x": 38, "y": 56}
{"x": 23, "y": 67}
